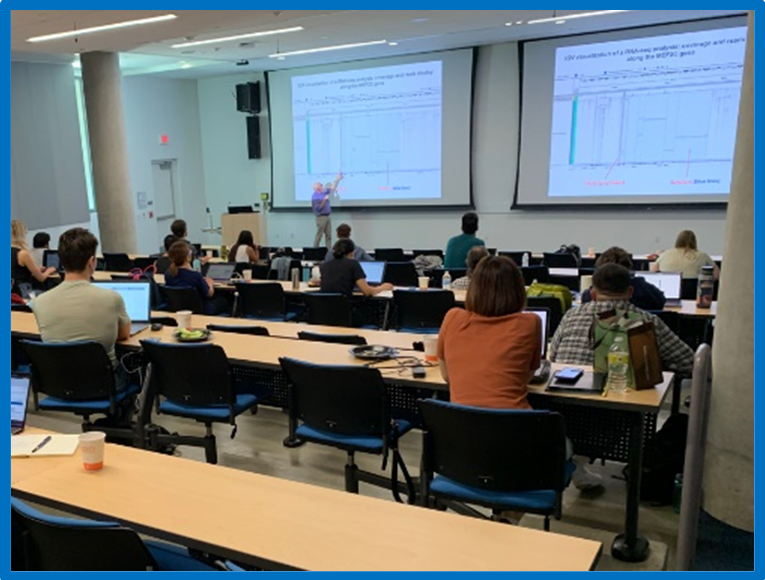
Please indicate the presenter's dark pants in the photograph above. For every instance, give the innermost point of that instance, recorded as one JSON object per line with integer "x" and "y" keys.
{"x": 323, "y": 227}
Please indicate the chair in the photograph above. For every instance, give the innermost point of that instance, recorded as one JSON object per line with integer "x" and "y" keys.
{"x": 553, "y": 260}
{"x": 334, "y": 338}
{"x": 347, "y": 407}
{"x": 501, "y": 459}
{"x": 328, "y": 309}
{"x": 516, "y": 257}
{"x": 689, "y": 288}
{"x": 78, "y": 378}
{"x": 273, "y": 273}
{"x": 457, "y": 273}
{"x": 55, "y": 544}
{"x": 261, "y": 301}
{"x": 439, "y": 253}
{"x": 193, "y": 381}
{"x": 400, "y": 274}
{"x": 116, "y": 262}
{"x": 144, "y": 262}
{"x": 421, "y": 311}
{"x": 177, "y": 299}
{"x": 552, "y": 304}
{"x": 314, "y": 254}
{"x": 389, "y": 255}
{"x": 539, "y": 273}
{"x": 248, "y": 330}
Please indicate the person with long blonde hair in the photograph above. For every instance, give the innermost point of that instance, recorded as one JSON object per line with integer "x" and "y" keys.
{"x": 25, "y": 272}
{"x": 685, "y": 258}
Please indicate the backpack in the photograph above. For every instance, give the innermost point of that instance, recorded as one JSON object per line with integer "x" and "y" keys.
{"x": 664, "y": 459}
{"x": 572, "y": 249}
{"x": 558, "y": 291}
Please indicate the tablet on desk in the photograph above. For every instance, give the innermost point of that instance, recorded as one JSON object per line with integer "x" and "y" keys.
{"x": 588, "y": 383}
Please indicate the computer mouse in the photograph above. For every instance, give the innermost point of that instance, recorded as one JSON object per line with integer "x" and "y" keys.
{"x": 155, "y": 326}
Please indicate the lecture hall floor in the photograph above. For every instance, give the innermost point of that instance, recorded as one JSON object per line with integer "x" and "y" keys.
{"x": 258, "y": 448}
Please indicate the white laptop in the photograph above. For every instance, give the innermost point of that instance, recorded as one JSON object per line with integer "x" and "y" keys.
{"x": 137, "y": 297}
{"x": 19, "y": 398}
{"x": 221, "y": 272}
{"x": 544, "y": 316}
{"x": 668, "y": 282}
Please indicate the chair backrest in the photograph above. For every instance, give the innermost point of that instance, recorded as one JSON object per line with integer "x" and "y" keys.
{"x": 494, "y": 450}
{"x": 314, "y": 254}
{"x": 344, "y": 400}
{"x": 20, "y": 308}
{"x": 418, "y": 309}
{"x": 74, "y": 371}
{"x": 551, "y": 303}
{"x": 183, "y": 299}
{"x": 670, "y": 318}
{"x": 250, "y": 330}
{"x": 553, "y": 260}
{"x": 389, "y": 255}
{"x": 516, "y": 257}
{"x": 457, "y": 273}
{"x": 117, "y": 262}
{"x": 689, "y": 288}
{"x": 162, "y": 264}
{"x": 538, "y": 273}
{"x": 53, "y": 543}
{"x": 195, "y": 375}
{"x": 439, "y": 253}
{"x": 400, "y": 274}
{"x": 261, "y": 300}
{"x": 328, "y": 309}
{"x": 335, "y": 338}
{"x": 144, "y": 262}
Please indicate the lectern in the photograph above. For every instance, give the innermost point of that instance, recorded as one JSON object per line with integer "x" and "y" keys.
{"x": 233, "y": 223}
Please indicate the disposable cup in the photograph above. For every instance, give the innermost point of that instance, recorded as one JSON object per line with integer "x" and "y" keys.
{"x": 184, "y": 318}
{"x": 423, "y": 282}
{"x": 92, "y": 450}
{"x": 431, "y": 348}
{"x": 247, "y": 274}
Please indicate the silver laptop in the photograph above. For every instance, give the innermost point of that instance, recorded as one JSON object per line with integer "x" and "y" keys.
{"x": 374, "y": 272}
{"x": 668, "y": 282}
{"x": 137, "y": 297}
{"x": 221, "y": 273}
{"x": 19, "y": 398}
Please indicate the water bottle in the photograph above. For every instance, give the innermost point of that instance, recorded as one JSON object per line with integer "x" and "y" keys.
{"x": 197, "y": 265}
{"x": 705, "y": 288}
{"x": 446, "y": 281}
{"x": 224, "y": 252}
{"x": 618, "y": 365}
{"x": 525, "y": 260}
{"x": 295, "y": 278}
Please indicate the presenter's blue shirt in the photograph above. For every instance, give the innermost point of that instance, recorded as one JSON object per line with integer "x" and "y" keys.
{"x": 457, "y": 250}
{"x": 316, "y": 198}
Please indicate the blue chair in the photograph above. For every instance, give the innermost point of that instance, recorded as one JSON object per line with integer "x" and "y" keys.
{"x": 421, "y": 311}
{"x": 78, "y": 378}
{"x": 347, "y": 407}
{"x": 262, "y": 302}
{"x": 500, "y": 459}
{"x": 44, "y": 542}
{"x": 328, "y": 309}
{"x": 177, "y": 299}
{"x": 193, "y": 381}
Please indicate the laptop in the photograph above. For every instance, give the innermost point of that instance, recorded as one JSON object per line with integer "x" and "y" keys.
{"x": 543, "y": 372}
{"x": 50, "y": 259}
{"x": 221, "y": 272}
{"x": 137, "y": 297}
{"x": 668, "y": 282}
{"x": 19, "y": 398}
{"x": 374, "y": 272}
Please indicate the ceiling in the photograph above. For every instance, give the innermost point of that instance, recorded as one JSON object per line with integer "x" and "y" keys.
{"x": 149, "y": 48}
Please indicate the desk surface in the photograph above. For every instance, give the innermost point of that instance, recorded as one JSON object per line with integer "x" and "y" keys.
{"x": 283, "y": 524}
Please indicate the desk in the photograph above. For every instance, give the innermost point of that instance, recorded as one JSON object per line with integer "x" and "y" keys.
{"x": 279, "y": 524}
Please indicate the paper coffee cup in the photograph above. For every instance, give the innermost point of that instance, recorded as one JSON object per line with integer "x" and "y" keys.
{"x": 431, "y": 348}
{"x": 209, "y": 253}
{"x": 423, "y": 282}
{"x": 184, "y": 318}
{"x": 591, "y": 252}
{"x": 584, "y": 283}
{"x": 92, "y": 450}
{"x": 247, "y": 274}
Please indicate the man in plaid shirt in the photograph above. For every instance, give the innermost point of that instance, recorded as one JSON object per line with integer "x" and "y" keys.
{"x": 612, "y": 291}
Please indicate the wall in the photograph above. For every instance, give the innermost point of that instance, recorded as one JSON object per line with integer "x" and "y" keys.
{"x": 229, "y": 176}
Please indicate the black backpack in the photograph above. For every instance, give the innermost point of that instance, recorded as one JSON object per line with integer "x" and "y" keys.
{"x": 663, "y": 459}
{"x": 572, "y": 249}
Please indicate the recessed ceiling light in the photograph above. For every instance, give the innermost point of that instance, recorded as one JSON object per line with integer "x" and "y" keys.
{"x": 238, "y": 37}
{"x": 418, "y": 20}
{"x": 280, "y": 58}
{"x": 326, "y": 48}
{"x": 557, "y": 19}
{"x": 186, "y": 65}
{"x": 103, "y": 28}
{"x": 560, "y": 22}
{"x": 508, "y": 23}
{"x": 393, "y": 44}
{"x": 519, "y": 22}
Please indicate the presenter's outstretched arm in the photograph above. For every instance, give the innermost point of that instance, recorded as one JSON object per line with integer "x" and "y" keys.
{"x": 339, "y": 177}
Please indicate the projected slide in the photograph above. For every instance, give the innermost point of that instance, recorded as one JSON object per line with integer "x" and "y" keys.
{"x": 646, "y": 117}
{"x": 380, "y": 127}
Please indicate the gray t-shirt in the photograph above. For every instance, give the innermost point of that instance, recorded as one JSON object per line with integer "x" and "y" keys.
{"x": 77, "y": 311}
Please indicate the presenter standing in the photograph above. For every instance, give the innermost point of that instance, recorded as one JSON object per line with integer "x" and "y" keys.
{"x": 322, "y": 209}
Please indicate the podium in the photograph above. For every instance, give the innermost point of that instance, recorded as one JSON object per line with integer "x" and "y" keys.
{"x": 233, "y": 223}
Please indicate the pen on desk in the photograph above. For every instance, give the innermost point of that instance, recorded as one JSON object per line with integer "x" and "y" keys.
{"x": 41, "y": 444}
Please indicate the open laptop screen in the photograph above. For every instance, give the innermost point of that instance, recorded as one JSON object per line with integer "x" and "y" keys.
{"x": 667, "y": 282}
{"x": 221, "y": 272}
{"x": 373, "y": 271}
{"x": 137, "y": 297}
{"x": 19, "y": 397}
{"x": 50, "y": 259}
{"x": 544, "y": 315}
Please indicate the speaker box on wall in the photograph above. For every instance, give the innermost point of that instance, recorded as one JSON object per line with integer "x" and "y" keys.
{"x": 253, "y": 137}
{"x": 248, "y": 98}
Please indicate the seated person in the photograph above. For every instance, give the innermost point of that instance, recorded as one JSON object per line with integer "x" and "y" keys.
{"x": 612, "y": 290}
{"x": 475, "y": 255}
{"x": 180, "y": 230}
{"x": 458, "y": 247}
{"x": 343, "y": 273}
{"x": 244, "y": 250}
{"x": 645, "y": 296}
{"x": 685, "y": 258}
{"x": 180, "y": 274}
{"x": 25, "y": 272}
{"x": 40, "y": 243}
{"x": 77, "y": 310}
{"x": 163, "y": 263}
{"x": 343, "y": 232}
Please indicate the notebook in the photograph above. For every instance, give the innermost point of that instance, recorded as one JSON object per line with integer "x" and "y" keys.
{"x": 668, "y": 282}
{"x": 374, "y": 272}
{"x": 19, "y": 398}
{"x": 221, "y": 273}
{"x": 588, "y": 383}
{"x": 43, "y": 445}
{"x": 137, "y": 297}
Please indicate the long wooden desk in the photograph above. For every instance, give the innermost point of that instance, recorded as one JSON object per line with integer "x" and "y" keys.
{"x": 278, "y": 524}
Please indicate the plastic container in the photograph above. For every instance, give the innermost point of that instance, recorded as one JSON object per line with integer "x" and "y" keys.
{"x": 618, "y": 366}
{"x": 446, "y": 281}
{"x": 295, "y": 274}
{"x": 525, "y": 260}
{"x": 705, "y": 288}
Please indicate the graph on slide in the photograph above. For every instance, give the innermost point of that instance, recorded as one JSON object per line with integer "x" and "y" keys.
{"x": 645, "y": 129}
{"x": 381, "y": 128}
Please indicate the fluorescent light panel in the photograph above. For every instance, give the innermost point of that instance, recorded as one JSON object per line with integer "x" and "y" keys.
{"x": 103, "y": 28}
{"x": 573, "y": 16}
{"x": 326, "y": 48}
{"x": 238, "y": 37}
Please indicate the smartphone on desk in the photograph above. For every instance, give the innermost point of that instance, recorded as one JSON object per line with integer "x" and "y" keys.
{"x": 568, "y": 375}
